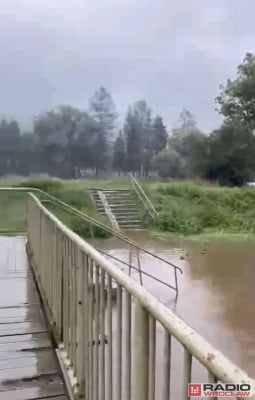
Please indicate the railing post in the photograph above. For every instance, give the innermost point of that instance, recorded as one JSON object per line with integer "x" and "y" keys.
{"x": 80, "y": 326}
{"x": 141, "y": 353}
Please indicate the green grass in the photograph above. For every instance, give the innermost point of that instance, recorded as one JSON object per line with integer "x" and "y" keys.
{"x": 74, "y": 193}
{"x": 12, "y": 212}
{"x": 189, "y": 209}
{"x": 186, "y": 209}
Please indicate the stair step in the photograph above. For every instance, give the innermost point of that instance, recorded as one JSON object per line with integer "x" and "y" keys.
{"x": 123, "y": 206}
{"x": 131, "y": 227}
{"x": 127, "y": 218}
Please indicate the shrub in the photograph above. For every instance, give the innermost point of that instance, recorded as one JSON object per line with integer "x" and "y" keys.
{"x": 186, "y": 208}
{"x": 47, "y": 185}
{"x": 86, "y": 230}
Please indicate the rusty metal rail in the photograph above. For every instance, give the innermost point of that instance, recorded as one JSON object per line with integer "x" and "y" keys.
{"x": 74, "y": 278}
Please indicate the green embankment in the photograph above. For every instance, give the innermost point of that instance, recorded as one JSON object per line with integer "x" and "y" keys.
{"x": 191, "y": 209}
{"x": 185, "y": 209}
{"x": 13, "y": 206}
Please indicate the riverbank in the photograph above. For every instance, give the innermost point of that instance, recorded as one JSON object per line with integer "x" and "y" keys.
{"x": 186, "y": 210}
{"x": 13, "y": 206}
{"x": 198, "y": 211}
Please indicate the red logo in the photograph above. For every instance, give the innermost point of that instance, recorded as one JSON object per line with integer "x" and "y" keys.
{"x": 194, "y": 389}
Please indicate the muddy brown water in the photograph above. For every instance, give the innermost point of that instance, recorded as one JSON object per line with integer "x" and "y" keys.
{"x": 216, "y": 292}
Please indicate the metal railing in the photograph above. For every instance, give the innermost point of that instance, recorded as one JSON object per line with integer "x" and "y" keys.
{"x": 149, "y": 207}
{"x": 113, "y": 349}
{"x": 94, "y": 222}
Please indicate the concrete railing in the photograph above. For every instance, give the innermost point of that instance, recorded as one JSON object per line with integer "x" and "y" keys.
{"x": 114, "y": 348}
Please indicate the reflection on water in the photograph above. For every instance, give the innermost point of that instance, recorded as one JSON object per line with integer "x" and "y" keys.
{"x": 216, "y": 295}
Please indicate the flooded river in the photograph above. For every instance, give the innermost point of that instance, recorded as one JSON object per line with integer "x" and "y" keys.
{"x": 216, "y": 289}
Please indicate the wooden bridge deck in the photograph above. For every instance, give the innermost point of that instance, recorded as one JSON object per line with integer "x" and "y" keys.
{"x": 28, "y": 366}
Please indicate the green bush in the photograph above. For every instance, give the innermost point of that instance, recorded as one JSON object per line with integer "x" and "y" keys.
{"x": 47, "y": 185}
{"x": 189, "y": 209}
{"x": 75, "y": 197}
{"x": 86, "y": 230}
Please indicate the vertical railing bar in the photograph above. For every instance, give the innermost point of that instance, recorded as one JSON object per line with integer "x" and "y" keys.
{"x": 141, "y": 353}
{"x": 109, "y": 331}
{"x": 176, "y": 281}
{"x": 152, "y": 357}
{"x": 75, "y": 293}
{"x": 86, "y": 322}
{"x": 187, "y": 373}
{"x": 127, "y": 380}
{"x": 96, "y": 339}
{"x": 91, "y": 306}
{"x": 66, "y": 294}
{"x": 166, "y": 365}
{"x": 119, "y": 343}
{"x": 72, "y": 311}
{"x": 68, "y": 327}
{"x": 80, "y": 325}
{"x": 102, "y": 335}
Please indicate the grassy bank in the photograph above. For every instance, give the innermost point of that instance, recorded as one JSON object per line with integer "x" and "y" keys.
{"x": 195, "y": 210}
{"x": 192, "y": 210}
{"x": 13, "y": 206}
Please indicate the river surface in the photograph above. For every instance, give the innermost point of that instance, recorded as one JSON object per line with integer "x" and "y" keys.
{"x": 216, "y": 289}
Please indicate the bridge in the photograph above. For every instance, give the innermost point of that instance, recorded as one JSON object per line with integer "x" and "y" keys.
{"x": 73, "y": 325}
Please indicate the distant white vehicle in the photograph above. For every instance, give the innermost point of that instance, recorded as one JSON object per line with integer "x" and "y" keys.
{"x": 251, "y": 184}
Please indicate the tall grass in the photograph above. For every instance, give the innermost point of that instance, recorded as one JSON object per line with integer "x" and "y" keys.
{"x": 13, "y": 207}
{"x": 189, "y": 209}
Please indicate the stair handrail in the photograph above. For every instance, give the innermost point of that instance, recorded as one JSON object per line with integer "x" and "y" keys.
{"x": 143, "y": 197}
{"x": 95, "y": 222}
{"x": 108, "y": 211}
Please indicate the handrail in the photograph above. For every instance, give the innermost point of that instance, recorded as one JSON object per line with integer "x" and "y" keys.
{"x": 108, "y": 211}
{"x": 135, "y": 268}
{"x": 97, "y": 223}
{"x": 143, "y": 198}
{"x": 73, "y": 278}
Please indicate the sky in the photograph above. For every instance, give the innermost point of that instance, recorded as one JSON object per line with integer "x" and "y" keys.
{"x": 172, "y": 53}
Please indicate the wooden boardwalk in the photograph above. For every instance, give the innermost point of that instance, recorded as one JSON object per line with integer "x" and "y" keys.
{"x": 28, "y": 366}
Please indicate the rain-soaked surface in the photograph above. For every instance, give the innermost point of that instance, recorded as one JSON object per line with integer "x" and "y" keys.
{"x": 216, "y": 298}
{"x": 216, "y": 295}
{"x": 28, "y": 366}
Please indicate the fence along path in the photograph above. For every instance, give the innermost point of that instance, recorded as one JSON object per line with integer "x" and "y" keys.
{"x": 114, "y": 348}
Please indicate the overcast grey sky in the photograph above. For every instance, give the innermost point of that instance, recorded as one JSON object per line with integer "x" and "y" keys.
{"x": 172, "y": 53}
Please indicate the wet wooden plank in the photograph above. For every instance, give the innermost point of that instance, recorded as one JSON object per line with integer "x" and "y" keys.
{"x": 34, "y": 393}
{"x": 28, "y": 365}
{"x": 29, "y": 338}
{"x": 45, "y": 360}
{"x": 21, "y": 328}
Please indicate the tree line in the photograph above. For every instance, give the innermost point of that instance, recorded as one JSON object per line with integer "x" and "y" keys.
{"x": 68, "y": 142}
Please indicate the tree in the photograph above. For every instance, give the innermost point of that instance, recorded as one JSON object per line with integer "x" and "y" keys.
{"x": 237, "y": 98}
{"x": 102, "y": 109}
{"x": 55, "y": 133}
{"x": 10, "y": 138}
{"x": 159, "y": 135}
{"x": 119, "y": 154}
{"x": 186, "y": 123}
{"x": 231, "y": 155}
{"x": 169, "y": 163}
{"x": 192, "y": 146}
{"x": 132, "y": 132}
{"x": 137, "y": 131}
